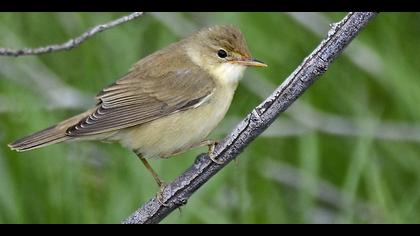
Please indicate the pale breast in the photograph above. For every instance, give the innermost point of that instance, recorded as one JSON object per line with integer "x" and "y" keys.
{"x": 180, "y": 131}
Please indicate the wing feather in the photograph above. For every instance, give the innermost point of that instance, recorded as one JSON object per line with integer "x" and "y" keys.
{"x": 146, "y": 94}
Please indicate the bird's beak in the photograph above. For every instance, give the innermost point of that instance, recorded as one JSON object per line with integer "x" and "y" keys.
{"x": 249, "y": 62}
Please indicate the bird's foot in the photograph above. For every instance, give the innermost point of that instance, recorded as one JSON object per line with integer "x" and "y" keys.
{"x": 212, "y": 144}
{"x": 159, "y": 195}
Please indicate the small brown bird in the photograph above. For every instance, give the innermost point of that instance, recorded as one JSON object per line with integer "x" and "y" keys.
{"x": 167, "y": 103}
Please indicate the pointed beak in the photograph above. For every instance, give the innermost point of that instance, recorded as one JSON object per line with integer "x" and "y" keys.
{"x": 249, "y": 62}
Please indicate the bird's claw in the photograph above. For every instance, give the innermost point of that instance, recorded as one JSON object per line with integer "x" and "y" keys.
{"x": 211, "y": 155}
{"x": 159, "y": 196}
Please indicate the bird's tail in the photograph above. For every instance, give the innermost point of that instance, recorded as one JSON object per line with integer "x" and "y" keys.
{"x": 51, "y": 135}
{"x": 39, "y": 139}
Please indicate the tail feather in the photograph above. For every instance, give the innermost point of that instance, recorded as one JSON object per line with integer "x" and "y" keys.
{"x": 51, "y": 135}
{"x": 39, "y": 139}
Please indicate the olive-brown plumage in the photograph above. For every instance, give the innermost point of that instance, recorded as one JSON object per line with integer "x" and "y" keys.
{"x": 167, "y": 103}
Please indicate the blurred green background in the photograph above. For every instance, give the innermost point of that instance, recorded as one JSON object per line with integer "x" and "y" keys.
{"x": 346, "y": 152}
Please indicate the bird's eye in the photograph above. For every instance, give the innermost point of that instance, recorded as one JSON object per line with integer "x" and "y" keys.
{"x": 222, "y": 53}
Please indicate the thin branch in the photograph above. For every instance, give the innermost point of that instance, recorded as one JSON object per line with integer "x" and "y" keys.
{"x": 70, "y": 44}
{"x": 179, "y": 191}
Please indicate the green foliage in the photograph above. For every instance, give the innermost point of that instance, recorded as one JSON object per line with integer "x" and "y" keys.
{"x": 312, "y": 176}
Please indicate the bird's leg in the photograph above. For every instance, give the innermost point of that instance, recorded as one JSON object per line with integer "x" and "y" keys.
{"x": 158, "y": 180}
{"x": 211, "y": 144}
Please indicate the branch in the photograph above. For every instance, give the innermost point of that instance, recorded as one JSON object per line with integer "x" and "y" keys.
{"x": 178, "y": 192}
{"x": 70, "y": 44}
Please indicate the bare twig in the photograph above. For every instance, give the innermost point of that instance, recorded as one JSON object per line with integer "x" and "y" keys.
{"x": 178, "y": 192}
{"x": 72, "y": 42}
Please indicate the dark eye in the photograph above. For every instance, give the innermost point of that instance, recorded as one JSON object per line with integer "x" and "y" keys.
{"x": 222, "y": 53}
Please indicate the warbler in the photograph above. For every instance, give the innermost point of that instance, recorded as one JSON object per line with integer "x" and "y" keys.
{"x": 167, "y": 103}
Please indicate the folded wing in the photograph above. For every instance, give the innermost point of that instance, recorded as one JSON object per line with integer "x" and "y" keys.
{"x": 147, "y": 93}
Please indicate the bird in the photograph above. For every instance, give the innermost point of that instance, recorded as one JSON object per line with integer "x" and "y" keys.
{"x": 167, "y": 103}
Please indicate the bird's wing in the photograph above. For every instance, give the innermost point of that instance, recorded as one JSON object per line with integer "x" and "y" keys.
{"x": 146, "y": 94}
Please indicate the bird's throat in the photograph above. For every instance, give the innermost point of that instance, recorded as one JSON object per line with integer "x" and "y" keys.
{"x": 228, "y": 73}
